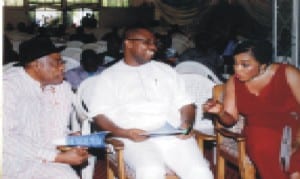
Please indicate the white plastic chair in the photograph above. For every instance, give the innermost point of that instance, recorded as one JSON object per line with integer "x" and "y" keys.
{"x": 73, "y": 52}
{"x": 8, "y": 66}
{"x": 103, "y": 45}
{"x": 200, "y": 89}
{"x": 70, "y": 63}
{"x": 74, "y": 43}
{"x": 16, "y": 44}
{"x": 83, "y": 97}
{"x": 83, "y": 94}
{"x": 197, "y": 68}
{"x": 98, "y": 48}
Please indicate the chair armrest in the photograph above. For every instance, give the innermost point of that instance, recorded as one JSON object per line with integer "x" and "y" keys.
{"x": 204, "y": 136}
{"x": 236, "y": 136}
{"x": 115, "y": 158}
{"x": 117, "y": 144}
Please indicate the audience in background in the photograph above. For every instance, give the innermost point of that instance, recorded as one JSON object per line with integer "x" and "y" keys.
{"x": 80, "y": 35}
{"x": 204, "y": 53}
{"x": 89, "y": 21}
{"x": 10, "y": 56}
{"x": 9, "y": 27}
{"x": 164, "y": 52}
{"x": 43, "y": 32}
{"x": 180, "y": 40}
{"x": 90, "y": 65}
{"x": 19, "y": 34}
{"x": 60, "y": 31}
{"x": 114, "y": 47}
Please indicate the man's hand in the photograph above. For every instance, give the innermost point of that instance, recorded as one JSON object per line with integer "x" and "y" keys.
{"x": 186, "y": 136}
{"x": 75, "y": 156}
{"x": 77, "y": 133}
{"x": 136, "y": 135}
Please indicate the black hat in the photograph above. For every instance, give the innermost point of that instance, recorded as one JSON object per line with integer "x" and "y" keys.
{"x": 35, "y": 48}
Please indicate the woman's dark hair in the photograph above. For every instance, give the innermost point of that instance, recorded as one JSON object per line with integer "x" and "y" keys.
{"x": 261, "y": 50}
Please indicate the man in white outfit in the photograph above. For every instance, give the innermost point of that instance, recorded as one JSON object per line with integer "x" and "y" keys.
{"x": 137, "y": 95}
{"x": 36, "y": 110}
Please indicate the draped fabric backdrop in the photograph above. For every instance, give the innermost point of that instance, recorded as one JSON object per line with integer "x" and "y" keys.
{"x": 185, "y": 12}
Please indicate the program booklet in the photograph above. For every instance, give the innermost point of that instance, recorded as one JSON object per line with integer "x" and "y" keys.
{"x": 165, "y": 130}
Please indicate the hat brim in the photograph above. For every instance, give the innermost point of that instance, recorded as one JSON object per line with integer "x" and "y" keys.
{"x": 55, "y": 50}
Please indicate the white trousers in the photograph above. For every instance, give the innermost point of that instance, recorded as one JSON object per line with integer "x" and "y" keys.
{"x": 150, "y": 158}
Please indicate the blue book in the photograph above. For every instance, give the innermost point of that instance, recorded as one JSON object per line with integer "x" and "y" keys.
{"x": 95, "y": 140}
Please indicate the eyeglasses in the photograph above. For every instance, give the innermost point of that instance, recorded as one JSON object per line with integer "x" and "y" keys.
{"x": 145, "y": 41}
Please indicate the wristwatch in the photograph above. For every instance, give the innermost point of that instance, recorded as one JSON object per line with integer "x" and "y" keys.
{"x": 188, "y": 130}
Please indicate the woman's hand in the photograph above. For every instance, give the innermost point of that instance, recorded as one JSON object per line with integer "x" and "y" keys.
{"x": 212, "y": 106}
{"x": 74, "y": 156}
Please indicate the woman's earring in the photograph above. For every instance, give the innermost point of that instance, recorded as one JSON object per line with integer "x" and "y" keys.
{"x": 262, "y": 69}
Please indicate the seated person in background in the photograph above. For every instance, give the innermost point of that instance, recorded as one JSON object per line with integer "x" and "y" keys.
{"x": 20, "y": 34}
{"x": 268, "y": 95}
{"x": 204, "y": 53}
{"x": 36, "y": 110}
{"x": 180, "y": 40}
{"x": 90, "y": 65}
{"x": 82, "y": 36}
{"x": 113, "y": 54}
{"x": 10, "y": 56}
{"x": 136, "y": 95}
{"x": 164, "y": 52}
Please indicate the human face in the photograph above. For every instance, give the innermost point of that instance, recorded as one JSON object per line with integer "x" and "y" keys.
{"x": 246, "y": 67}
{"x": 140, "y": 47}
{"x": 51, "y": 69}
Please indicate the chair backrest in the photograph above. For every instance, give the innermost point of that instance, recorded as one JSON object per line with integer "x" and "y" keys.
{"x": 200, "y": 89}
{"x": 103, "y": 45}
{"x": 74, "y": 43}
{"x": 83, "y": 95}
{"x": 218, "y": 92}
{"x": 97, "y": 47}
{"x": 8, "y": 66}
{"x": 198, "y": 68}
{"x": 73, "y": 52}
{"x": 70, "y": 63}
{"x": 16, "y": 44}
